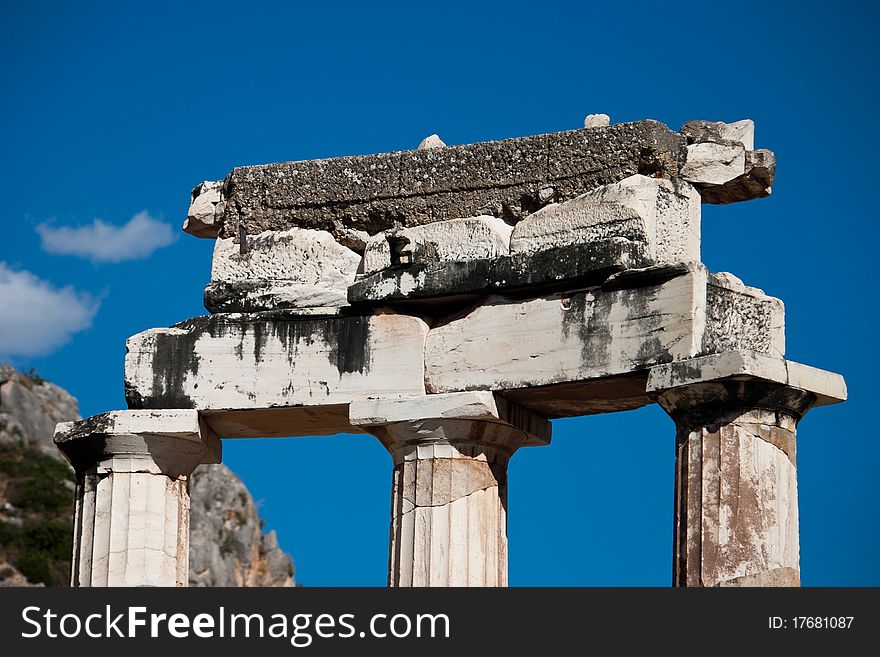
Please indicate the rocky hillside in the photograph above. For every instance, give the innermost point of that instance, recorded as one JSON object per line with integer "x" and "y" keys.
{"x": 227, "y": 544}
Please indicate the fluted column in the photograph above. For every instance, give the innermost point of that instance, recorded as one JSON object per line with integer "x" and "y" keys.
{"x": 449, "y": 485}
{"x": 736, "y": 501}
{"x": 131, "y": 523}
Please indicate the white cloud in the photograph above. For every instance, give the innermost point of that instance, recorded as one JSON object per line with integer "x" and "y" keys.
{"x": 36, "y": 317}
{"x": 103, "y": 242}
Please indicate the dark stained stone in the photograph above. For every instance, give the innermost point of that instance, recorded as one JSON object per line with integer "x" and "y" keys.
{"x": 588, "y": 263}
{"x": 507, "y": 178}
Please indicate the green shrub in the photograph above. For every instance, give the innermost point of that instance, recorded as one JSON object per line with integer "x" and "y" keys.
{"x": 9, "y": 534}
{"x": 228, "y": 546}
{"x": 52, "y": 538}
{"x": 40, "y": 495}
{"x": 35, "y": 378}
{"x": 35, "y": 484}
{"x": 36, "y": 567}
{"x": 31, "y": 462}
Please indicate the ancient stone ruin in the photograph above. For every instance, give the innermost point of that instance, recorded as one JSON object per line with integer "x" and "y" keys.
{"x": 451, "y": 301}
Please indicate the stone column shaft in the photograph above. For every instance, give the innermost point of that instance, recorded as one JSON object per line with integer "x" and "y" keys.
{"x": 132, "y": 528}
{"x": 736, "y": 504}
{"x": 449, "y": 517}
{"x": 449, "y": 485}
{"x": 736, "y": 512}
{"x": 131, "y": 523}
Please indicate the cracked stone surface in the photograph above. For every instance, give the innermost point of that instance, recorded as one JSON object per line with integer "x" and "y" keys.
{"x": 756, "y": 182}
{"x": 229, "y": 363}
{"x": 449, "y": 523}
{"x": 553, "y": 267}
{"x": 518, "y": 343}
{"x": 742, "y": 317}
{"x": 737, "y": 505}
{"x": 303, "y": 224}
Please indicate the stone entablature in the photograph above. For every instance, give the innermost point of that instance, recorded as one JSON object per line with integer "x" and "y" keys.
{"x": 452, "y": 300}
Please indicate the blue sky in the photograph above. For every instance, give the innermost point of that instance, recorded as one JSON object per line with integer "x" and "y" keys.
{"x": 114, "y": 111}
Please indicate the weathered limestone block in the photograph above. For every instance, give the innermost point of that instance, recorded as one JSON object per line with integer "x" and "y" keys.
{"x": 596, "y": 120}
{"x": 131, "y": 523}
{"x": 739, "y": 316}
{"x": 552, "y": 268}
{"x": 203, "y": 218}
{"x": 507, "y": 179}
{"x": 713, "y": 158}
{"x": 663, "y": 214}
{"x": 736, "y": 415}
{"x": 275, "y": 360}
{"x": 506, "y": 343}
{"x": 714, "y": 162}
{"x": 739, "y": 131}
{"x": 756, "y": 182}
{"x": 449, "y": 492}
{"x": 633, "y": 321}
{"x": 295, "y": 268}
{"x": 580, "y": 220}
{"x": 431, "y": 141}
{"x": 455, "y": 240}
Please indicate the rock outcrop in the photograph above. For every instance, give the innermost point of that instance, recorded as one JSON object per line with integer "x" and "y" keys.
{"x": 30, "y": 408}
{"x": 227, "y": 544}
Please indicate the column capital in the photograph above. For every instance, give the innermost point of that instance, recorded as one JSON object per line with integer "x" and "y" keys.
{"x": 479, "y": 418}
{"x": 737, "y": 379}
{"x": 168, "y": 442}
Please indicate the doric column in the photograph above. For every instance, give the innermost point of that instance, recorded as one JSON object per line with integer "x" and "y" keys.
{"x": 736, "y": 508}
{"x": 131, "y": 523}
{"x": 449, "y": 488}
